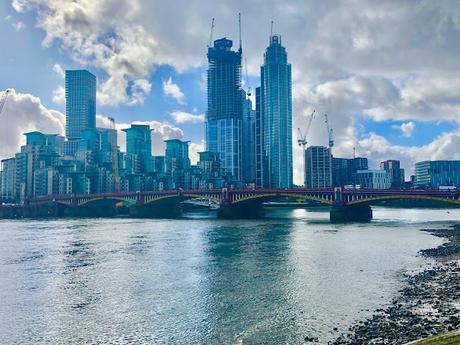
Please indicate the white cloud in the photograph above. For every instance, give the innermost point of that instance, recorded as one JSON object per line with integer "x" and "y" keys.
{"x": 172, "y": 90}
{"x": 59, "y": 95}
{"x": 24, "y": 113}
{"x": 406, "y": 128}
{"x": 59, "y": 71}
{"x": 184, "y": 117}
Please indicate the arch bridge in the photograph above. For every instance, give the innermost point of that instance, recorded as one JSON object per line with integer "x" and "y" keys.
{"x": 346, "y": 204}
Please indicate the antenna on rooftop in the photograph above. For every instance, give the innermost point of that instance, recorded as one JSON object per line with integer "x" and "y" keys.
{"x": 211, "y": 33}
{"x": 271, "y": 28}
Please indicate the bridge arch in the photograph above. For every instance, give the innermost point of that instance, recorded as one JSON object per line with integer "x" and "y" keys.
{"x": 370, "y": 199}
{"x": 108, "y": 198}
{"x": 269, "y": 196}
{"x": 181, "y": 197}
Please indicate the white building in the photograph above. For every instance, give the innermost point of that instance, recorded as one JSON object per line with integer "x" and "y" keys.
{"x": 373, "y": 179}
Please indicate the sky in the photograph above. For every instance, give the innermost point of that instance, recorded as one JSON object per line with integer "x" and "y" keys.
{"x": 386, "y": 72}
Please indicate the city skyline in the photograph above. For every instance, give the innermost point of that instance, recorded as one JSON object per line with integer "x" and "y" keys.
{"x": 375, "y": 108}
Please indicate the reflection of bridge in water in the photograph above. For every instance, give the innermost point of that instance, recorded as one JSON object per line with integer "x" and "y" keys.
{"x": 346, "y": 204}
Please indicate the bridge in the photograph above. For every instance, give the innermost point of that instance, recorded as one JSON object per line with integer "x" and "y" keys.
{"x": 345, "y": 204}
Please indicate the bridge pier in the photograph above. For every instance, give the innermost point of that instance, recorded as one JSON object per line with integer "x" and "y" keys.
{"x": 241, "y": 211}
{"x": 351, "y": 213}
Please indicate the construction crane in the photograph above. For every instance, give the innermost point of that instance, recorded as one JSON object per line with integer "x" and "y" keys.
{"x": 246, "y": 76}
{"x": 302, "y": 141}
{"x": 114, "y": 149}
{"x": 211, "y": 33}
{"x": 3, "y": 99}
{"x": 329, "y": 133}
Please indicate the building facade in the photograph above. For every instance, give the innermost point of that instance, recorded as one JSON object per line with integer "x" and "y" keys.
{"x": 344, "y": 170}
{"x": 249, "y": 142}
{"x": 318, "y": 172}
{"x": 393, "y": 167}
{"x": 276, "y": 113}
{"x": 225, "y": 107}
{"x": 80, "y": 95}
{"x": 373, "y": 179}
{"x": 177, "y": 161}
{"x": 434, "y": 174}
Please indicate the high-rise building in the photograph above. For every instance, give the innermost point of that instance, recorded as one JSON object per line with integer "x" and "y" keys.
{"x": 434, "y": 174}
{"x": 139, "y": 142}
{"x": 344, "y": 170}
{"x": 276, "y": 113}
{"x": 318, "y": 173}
{"x": 393, "y": 167}
{"x": 261, "y": 161}
{"x": 8, "y": 178}
{"x": 225, "y": 107}
{"x": 373, "y": 179}
{"x": 177, "y": 160}
{"x": 249, "y": 141}
{"x": 80, "y": 94}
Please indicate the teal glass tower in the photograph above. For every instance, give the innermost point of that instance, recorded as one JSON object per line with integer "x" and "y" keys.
{"x": 80, "y": 95}
{"x": 139, "y": 143}
{"x": 276, "y": 115}
{"x": 225, "y": 107}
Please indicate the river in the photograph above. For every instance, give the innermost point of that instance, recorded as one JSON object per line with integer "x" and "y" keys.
{"x": 199, "y": 280}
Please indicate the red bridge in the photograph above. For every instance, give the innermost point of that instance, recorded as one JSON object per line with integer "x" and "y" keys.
{"x": 347, "y": 204}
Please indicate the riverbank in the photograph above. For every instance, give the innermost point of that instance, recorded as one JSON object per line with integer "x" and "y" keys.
{"x": 429, "y": 305}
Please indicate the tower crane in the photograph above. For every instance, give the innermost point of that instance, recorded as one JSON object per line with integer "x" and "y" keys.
{"x": 211, "y": 33}
{"x": 329, "y": 133}
{"x": 302, "y": 141}
{"x": 3, "y": 99}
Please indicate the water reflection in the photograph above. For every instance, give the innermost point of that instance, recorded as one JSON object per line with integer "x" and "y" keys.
{"x": 202, "y": 281}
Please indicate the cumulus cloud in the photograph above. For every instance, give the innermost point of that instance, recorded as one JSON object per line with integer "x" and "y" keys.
{"x": 101, "y": 35}
{"x": 24, "y": 113}
{"x": 58, "y": 70}
{"x": 406, "y": 128}
{"x": 16, "y": 24}
{"x": 172, "y": 90}
{"x": 59, "y": 95}
{"x": 184, "y": 117}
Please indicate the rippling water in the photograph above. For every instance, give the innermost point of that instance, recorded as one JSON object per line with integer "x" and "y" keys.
{"x": 203, "y": 281}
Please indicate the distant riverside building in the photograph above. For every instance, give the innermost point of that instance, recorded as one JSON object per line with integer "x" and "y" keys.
{"x": 393, "y": 167}
{"x": 80, "y": 95}
{"x": 139, "y": 143}
{"x": 249, "y": 141}
{"x": 225, "y": 107}
{"x": 260, "y": 158}
{"x": 344, "y": 170}
{"x": 8, "y": 176}
{"x": 373, "y": 179}
{"x": 276, "y": 116}
{"x": 318, "y": 173}
{"x": 433, "y": 174}
{"x": 177, "y": 161}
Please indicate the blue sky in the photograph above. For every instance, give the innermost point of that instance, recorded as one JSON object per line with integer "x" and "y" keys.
{"x": 390, "y": 93}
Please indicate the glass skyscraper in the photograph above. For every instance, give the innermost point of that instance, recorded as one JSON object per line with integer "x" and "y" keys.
{"x": 225, "y": 107}
{"x": 139, "y": 143}
{"x": 276, "y": 115}
{"x": 80, "y": 95}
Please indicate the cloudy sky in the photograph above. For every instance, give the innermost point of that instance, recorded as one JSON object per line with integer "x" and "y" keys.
{"x": 386, "y": 72}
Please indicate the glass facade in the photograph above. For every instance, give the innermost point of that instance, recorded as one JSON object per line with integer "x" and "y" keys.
{"x": 373, "y": 179}
{"x": 318, "y": 173}
{"x": 225, "y": 107}
{"x": 139, "y": 142}
{"x": 434, "y": 174}
{"x": 276, "y": 108}
{"x": 80, "y": 93}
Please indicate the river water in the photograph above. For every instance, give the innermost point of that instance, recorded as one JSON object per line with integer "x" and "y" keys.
{"x": 200, "y": 280}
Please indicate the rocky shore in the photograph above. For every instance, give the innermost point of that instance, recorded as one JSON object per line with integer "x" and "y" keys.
{"x": 428, "y": 305}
